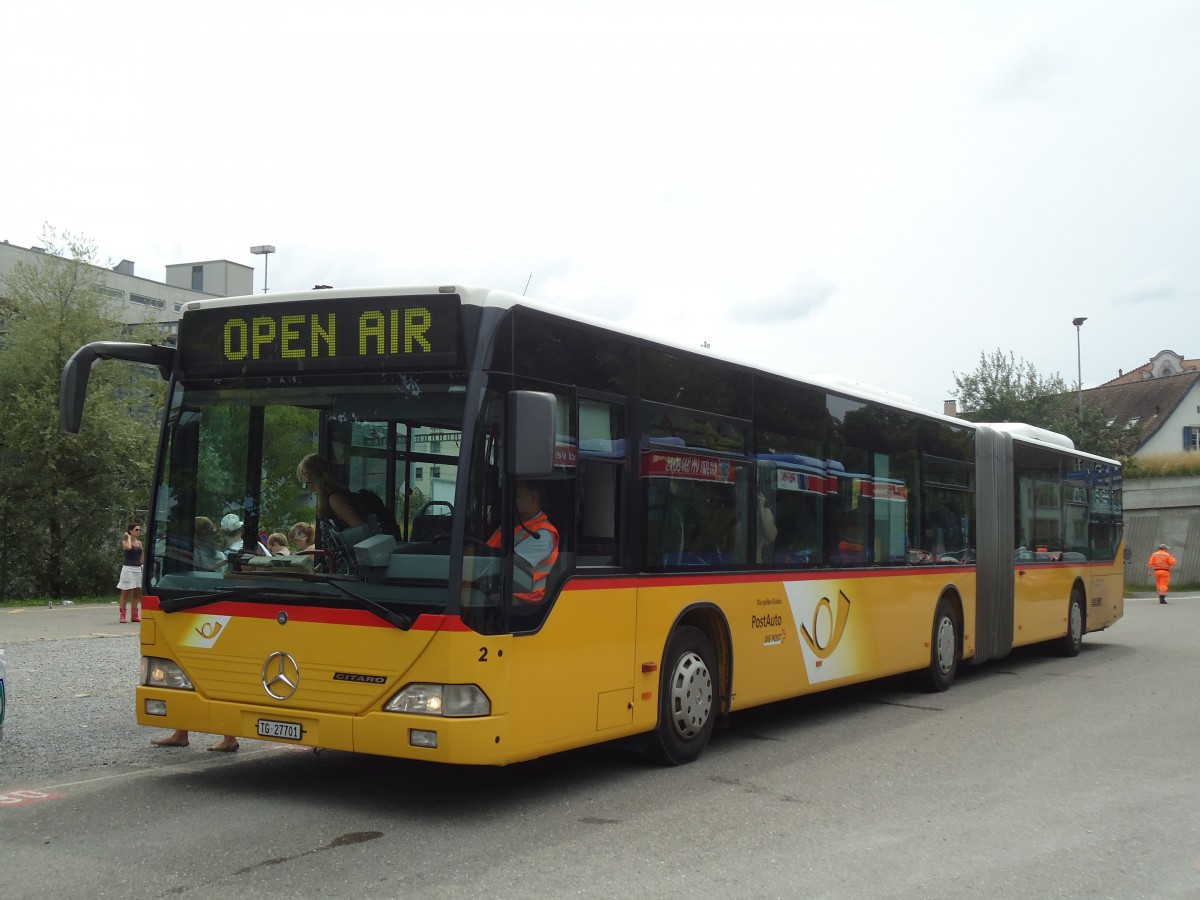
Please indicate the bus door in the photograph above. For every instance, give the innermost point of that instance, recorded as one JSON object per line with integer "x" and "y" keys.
{"x": 573, "y": 642}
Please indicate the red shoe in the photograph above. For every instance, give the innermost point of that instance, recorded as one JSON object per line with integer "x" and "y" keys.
{"x": 122, "y": 619}
{"x": 135, "y": 617}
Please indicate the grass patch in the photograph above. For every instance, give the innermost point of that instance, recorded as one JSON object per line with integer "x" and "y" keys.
{"x": 1181, "y": 588}
{"x": 1163, "y": 465}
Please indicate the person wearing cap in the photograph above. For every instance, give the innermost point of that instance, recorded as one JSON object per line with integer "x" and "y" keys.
{"x": 230, "y": 529}
{"x": 1161, "y": 561}
{"x": 231, "y": 533}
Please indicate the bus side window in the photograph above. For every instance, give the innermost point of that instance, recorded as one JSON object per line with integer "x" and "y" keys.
{"x": 601, "y": 465}
{"x": 599, "y": 513}
{"x": 665, "y": 533}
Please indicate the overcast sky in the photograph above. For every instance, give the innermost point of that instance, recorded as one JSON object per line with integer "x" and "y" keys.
{"x": 880, "y": 191}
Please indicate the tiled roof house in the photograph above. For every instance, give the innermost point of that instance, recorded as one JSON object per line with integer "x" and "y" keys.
{"x": 1162, "y": 396}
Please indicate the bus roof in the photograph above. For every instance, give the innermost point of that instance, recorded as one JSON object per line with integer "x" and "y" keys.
{"x": 501, "y": 299}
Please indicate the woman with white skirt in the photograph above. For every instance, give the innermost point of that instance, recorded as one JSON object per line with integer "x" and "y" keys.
{"x": 130, "y": 582}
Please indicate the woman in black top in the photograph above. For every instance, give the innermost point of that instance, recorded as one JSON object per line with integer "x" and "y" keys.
{"x": 130, "y": 582}
{"x": 336, "y": 510}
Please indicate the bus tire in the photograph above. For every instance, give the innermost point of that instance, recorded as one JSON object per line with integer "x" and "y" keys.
{"x": 943, "y": 650}
{"x": 687, "y": 705}
{"x": 1069, "y": 644}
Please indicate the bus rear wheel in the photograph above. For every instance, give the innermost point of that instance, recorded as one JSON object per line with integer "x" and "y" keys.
{"x": 943, "y": 652}
{"x": 1069, "y": 644}
{"x": 687, "y": 706}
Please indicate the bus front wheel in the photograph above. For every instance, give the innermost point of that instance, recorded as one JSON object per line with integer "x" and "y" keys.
{"x": 687, "y": 705}
{"x": 943, "y": 655}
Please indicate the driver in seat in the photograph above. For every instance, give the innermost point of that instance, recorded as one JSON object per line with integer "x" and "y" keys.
{"x": 535, "y": 540}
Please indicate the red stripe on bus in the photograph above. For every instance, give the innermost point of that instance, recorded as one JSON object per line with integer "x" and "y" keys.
{"x": 679, "y": 580}
{"x": 319, "y": 615}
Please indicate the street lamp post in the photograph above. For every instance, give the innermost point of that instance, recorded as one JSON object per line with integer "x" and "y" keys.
{"x": 264, "y": 250}
{"x": 1077, "y": 322}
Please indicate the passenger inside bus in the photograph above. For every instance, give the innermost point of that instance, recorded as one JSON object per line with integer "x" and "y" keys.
{"x": 205, "y": 555}
{"x": 336, "y": 510}
{"x": 944, "y": 539}
{"x": 673, "y": 529}
{"x": 767, "y": 531}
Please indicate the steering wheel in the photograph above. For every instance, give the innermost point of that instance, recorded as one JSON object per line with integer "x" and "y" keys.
{"x": 442, "y": 538}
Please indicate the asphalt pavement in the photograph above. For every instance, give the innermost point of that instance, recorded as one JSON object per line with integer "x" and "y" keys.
{"x": 1034, "y": 776}
{"x": 40, "y": 623}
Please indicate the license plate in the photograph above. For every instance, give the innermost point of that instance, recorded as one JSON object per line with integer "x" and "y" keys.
{"x": 269, "y": 728}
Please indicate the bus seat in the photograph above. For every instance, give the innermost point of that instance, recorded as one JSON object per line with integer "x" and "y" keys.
{"x": 428, "y": 528}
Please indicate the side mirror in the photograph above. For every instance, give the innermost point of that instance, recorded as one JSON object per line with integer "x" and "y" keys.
{"x": 72, "y": 388}
{"x": 530, "y": 434}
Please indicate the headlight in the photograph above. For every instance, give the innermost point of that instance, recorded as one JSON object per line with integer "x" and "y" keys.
{"x": 450, "y": 700}
{"x": 157, "y": 672}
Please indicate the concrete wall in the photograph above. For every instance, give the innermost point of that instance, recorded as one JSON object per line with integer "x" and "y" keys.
{"x": 1162, "y": 511}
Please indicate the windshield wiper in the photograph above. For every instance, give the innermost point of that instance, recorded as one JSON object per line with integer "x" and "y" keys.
{"x": 191, "y": 601}
{"x": 401, "y": 621}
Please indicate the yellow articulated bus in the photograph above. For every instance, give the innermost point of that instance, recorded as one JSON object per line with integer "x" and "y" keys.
{"x": 536, "y": 532}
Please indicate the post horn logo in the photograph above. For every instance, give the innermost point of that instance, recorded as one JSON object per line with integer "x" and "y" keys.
{"x": 209, "y": 630}
{"x": 823, "y": 637}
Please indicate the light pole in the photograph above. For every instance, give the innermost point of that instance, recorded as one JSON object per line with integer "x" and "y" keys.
{"x": 264, "y": 250}
{"x": 1078, "y": 322}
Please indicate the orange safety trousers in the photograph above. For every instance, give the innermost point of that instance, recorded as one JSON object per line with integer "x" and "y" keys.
{"x": 1162, "y": 577}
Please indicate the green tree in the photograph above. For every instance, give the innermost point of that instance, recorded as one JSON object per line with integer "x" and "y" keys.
{"x": 1005, "y": 389}
{"x": 64, "y": 498}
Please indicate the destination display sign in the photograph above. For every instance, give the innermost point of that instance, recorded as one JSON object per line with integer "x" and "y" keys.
{"x": 688, "y": 467}
{"x": 320, "y": 335}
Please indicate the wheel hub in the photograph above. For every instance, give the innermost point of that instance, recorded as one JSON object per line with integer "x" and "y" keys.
{"x": 691, "y": 695}
{"x": 945, "y": 645}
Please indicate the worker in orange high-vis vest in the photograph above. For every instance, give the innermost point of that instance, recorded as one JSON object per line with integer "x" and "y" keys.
{"x": 1161, "y": 561}
{"x": 535, "y": 540}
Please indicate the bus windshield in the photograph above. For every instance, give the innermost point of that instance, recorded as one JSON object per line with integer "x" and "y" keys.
{"x": 229, "y": 490}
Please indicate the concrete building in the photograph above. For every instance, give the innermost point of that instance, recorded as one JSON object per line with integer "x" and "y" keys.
{"x": 141, "y": 300}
